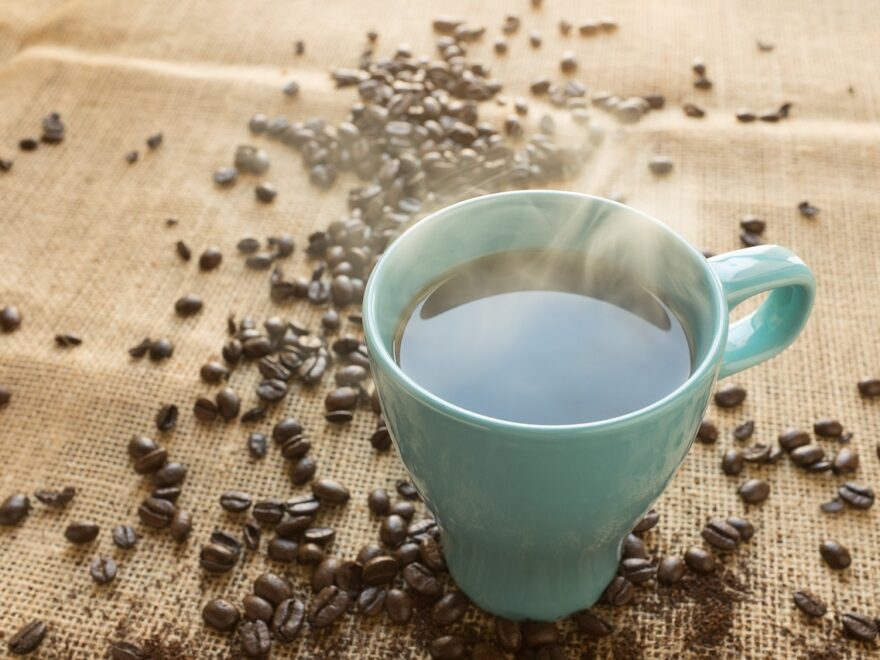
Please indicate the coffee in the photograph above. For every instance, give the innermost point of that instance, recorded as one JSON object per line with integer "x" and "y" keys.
{"x": 543, "y": 337}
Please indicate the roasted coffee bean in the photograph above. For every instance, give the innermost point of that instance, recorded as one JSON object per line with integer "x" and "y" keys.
{"x": 155, "y": 512}
{"x": 371, "y": 601}
{"x": 214, "y": 372}
{"x": 393, "y": 530}
{"x": 828, "y": 428}
{"x": 774, "y": 456}
{"x": 745, "y": 116}
{"x": 272, "y": 390}
{"x": 692, "y": 109}
{"x": 288, "y": 619}
{"x": 618, "y": 592}
{"x": 272, "y": 370}
{"x": 319, "y": 535}
{"x": 103, "y": 570}
{"x": 272, "y": 588}
{"x": 379, "y": 502}
{"x": 236, "y": 501}
{"x": 10, "y": 318}
{"x": 251, "y": 533}
{"x": 568, "y": 63}
{"x": 303, "y": 471}
{"x": 27, "y": 638}
{"x": 744, "y": 527}
{"x": 14, "y": 509}
{"x": 255, "y": 414}
{"x": 807, "y": 455}
{"x": 257, "y": 608}
{"x": 845, "y": 438}
{"x": 407, "y": 553}
{"x": 380, "y": 570}
{"x": 808, "y": 210}
{"x": 846, "y": 461}
{"x": 265, "y": 192}
{"x": 269, "y": 512}
{"x": 292, "y": 527}
{"x": 169, "y": 474}
{"x": 406, "y": 489}
{"x": 748, "y": 239}
{"x": 381, "y": 439}
{"x": 181, "y": 526}
{"x": 721, "y": 535}
{"x": 339, "y": 416}
{"x": 350, "y": 375}
{"x": 287, "y": 428}
{"x": 707, "y": 433}
{"x": 327, "y": 606}
{"x": 835, "y": 555}
{"x": 254, "y": 638}
{"x": 809, "y": 604}
{"x": 660, "y": 165}
{"x": 399, "y": 606}
{"x": 791, "y": 439}
{"x": 161, "y": 349}
{"x": 729, "y": 396}
{"x": 833, "y": 506}
{"x": 228, "y": 404}
{"x": 256, "y": 346}
{"x": 29, "y": 144}
{"x": 302, "y": 505}
{"x": 754, "y": 491}
{"x": 225, "y": 176}
{"x": 405, "y": 510}
{"x": 423, "y": 527}
{"x": 634, "y": 547}
{"x": 127, "y": 651}
{"x": 324, "y": 574}
{"x": 218, "y": 557}
{"x": 67, "y": 340}
{"x": 859, "y": 627}
{"x": 744, "y": 431}
{"x": 330, "y": 491}
{"x": 188, "y": 305}
{"x": 166, "y": 418}
{"x": 257, "y": 444}
{"x": 5, "y": 396}
{"x": 282, "y": 550}
{"x": 227, "y": 540}
{"x": 699, "y": 561}
{"x": 869, "y": 387}
{"x": 752, "y": 223}
{"x": 368, "y": 552}
{"x": 670, "y": 570}
{"x": 220, "y": 614}
{"x": 509, "y": 634}
{"x": 539, "y": 633}
{"x": 247, "y": 245}
{"x": 349, "y": 576}
{"x": 637, "y": 570}
{"x": 205, "y": 410}
{"x": 81, "y": 532}
{"x": 647, "y": 522}
{"x": 55, "y": 498}
{"x": 420, "y": 579}
{"x": 448, "y": 647}
{"x": 124, "y": 537}
{"x": 758, "y": 453}
{"x": 856, "y": 495}
{"x": 330, "y": 320}
{"x": 210, "y": 258}
{"x": 733, "y": 461}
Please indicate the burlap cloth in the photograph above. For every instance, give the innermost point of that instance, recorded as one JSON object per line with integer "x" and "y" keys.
{"x": 84, "y": 248}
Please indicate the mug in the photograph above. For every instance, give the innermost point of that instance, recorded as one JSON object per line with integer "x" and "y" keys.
{"x": 532, "y": 517}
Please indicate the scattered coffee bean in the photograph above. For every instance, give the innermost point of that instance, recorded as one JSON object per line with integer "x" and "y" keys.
{"x": 846, "y": 461}
{"x": 371, "y": 601}
{"x": 809, "y": 604}
{"x": 272, "y": 588}
{"x": 154, "y": 141}
{"x": 859, "y": 627}
{"x": 257, "y": 608}
{"x": 808, "y": 210}
{"x": 399, "y": 606}
{"x": 254, "y": 638}
{"x": 188, "y": 305}
{"x": 807, "y": 455}
{"x": 869, "y": 387}
{"x": 670, "y": 570}
{"x": 420, "y": 579}
{"x": 161, "y": 349}
{"x": 210, "y": 258}
{"x": 745, "y": 528}
{"x": 124, "y": 537}
{"x": 55, "y": 498}
{"x": 729, "y": 396}
{"x": 127, "y": 651}
{"x": 156, "y": 512}
{"x": 220, "y": 614}
{"x": 282, "y": 550}
{"x": 754, "y": 491}
{"x": 791, "y": 439}
{"x": 744, "y": 431}
{"x": 328, "y": 605}
{"x": 170, "y": 474}
{"x": 103, "y": 570}
{"x": 633, "y": 546}
{"x": 251, "y": 159}
{"x": 618, "y": 592}
{"x": 732, "y": 462}
{"x": 568, "y": 63}
{"x": 228, "y": 404}
{"x": 637, "y": 570}
{"x": 380, "y": 570}
{"x": 181, "y": 526}
{"x": 205, "y": 410}
{"x": 856, "y": 495}
{"x": 132, "y": 156}
{"x": 835, "y": 555}
{"x": 707, "y": 433}
{"x": 592, "y": 624}
{"x": 265, "y": 192}
{"x": 647, "y": 522}
{"x": 699, "y": 561}
{"x": 81, "y": 532}
{"x": 214, "y": 372}
{"x": 5, "y": 396}
{"x": 225, "y": 176}
{"x": 660, "y": 165}
{"x": 27, "y": 638}
{"x": 288, "y": 619}
{"x": 828, "y": 428}
{"x": 406, "y": 489}
{"x": 166, "y": 418}
{"x": 758, "y": 453}
{"x": 447, "y": 647}
{"x": 68, "y": 340}
{"x": 330, "y": 491}
{"x": 10, "y": 319}
{"x": 379, "y": 502}
{"x": 693, "y": 110}
{"x": 833, "y": 506}
{"x": 721, "y": 535}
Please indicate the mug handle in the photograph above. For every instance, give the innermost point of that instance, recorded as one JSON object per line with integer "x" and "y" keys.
{"x": 776, "y": 323}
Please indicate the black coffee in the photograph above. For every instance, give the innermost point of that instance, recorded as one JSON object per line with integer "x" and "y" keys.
{"x": 543, "y": 337}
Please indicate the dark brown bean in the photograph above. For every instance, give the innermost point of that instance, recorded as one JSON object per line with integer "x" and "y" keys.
{"x": 744, "y": 527}
{"x": 670, "y": 570}
{"x": 450, "y": 608}
{"x": 328, "y": 605}
{"x": 124, "y": 537}
{"x": 835, "y": 555}
{"x": 127, "y": 651}
{"x": 325, "y": 574}
{"x": 282, "y": 550}
{"x": 188, "y": 305}
{"x": 869, "y": 387}
{"x": 809, "y": 604}
{"x": 846, "y": 461}
{"x": 699, "y": 561}
{"x": 254, "y": 638}
{"x": 393, "y": 530}
{"x": 618, "y": 592}
{"x": 330, "y": 491}
{"x": 859, "y": 627}
{"x": 269, "y": 512}
{"x": 721, "y": 535}
{"x": 371, "y": 601}
{"x": 828, "y": 428}
{"x": 707, "y": 433}
{"x": 634, "y": 547}
{"x": 758, "y": 453}
{"x": 729, "y": 396}
{"x": 379, "y": 502}
{"x": 169, "y": 474}
{"x": 288, "y": 619}
{"x": 27, "y": 638}
{"x": 637, "y": 570}
{"x": 380, "y": 570}
{"x": 647, "y": 522}
{"x": 754, "y": 491}
{"x": 181, "y": 526}
{"x": 257, "y": 608}
{"x": 14, "y": 509}
{"x": 228, "y": 404}
{"x": 81, "y": 532}
{"x": 540, "y": 633}
{"x": 399, "y": 606}
{"x": 235, "y": 501}
{"x": 733, "y": 461}
{"x": 166, "y": 418}
{"x": 592, "y": 624}
{"x": 420, "y": 579}
{"x": 856, "y": 495}
{"x": 447, "y": 647}
{"x": 272, "y": 588}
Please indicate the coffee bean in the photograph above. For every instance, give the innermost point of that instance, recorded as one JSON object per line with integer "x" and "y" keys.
{"x": 380, "y": 570}
{"x": 257, "y": 608}
{"x": 833, "y": 506}
{"x": 846, "y": 461}
{"x": 647, "y": 522}
{"x": 286, "y": 429}
{"x": 835, "y": 555}
{"x": 303, "y": 471}
{"x": 188, "y": 305}
{"x": 670, "y": 570}
{"x": 268, "y": 512}
{"x": 856, "y": 495}
{"x": 127, "y": 651}
{"x": 302, "y": 505}
{"x": 220, "y": 614}
{"x": 368, "y": 552}
{"x": 634, "y": 547}
{"x": 448, "y": 647}
{"x": 161, "y": 349}
{"x": 10, "y": 318}
{"x": 707, "y": 433}
{"x": 699, "y": 561}
{"x": 166, "y": 418}
{"x": 405, "y": 510}
{"x": 758, "y": 453}
{"x": 423, "y": 527}
{"x": 660, "y": 165}
{"x": 155, "y": 512}
{"x": 407, "y": 553}
{"x": 28, "y": 144}
{"x": 272, "y": 588}
{"x": 845, "y": 438}
{"x": 592, "y": 624}
{"x": 265, "y": 192}
{"x": 808, "y": 210}
{"x": 371, "y": 601}
{"x": 272, "y": 370}
{"x": 103, "y": 570}
{"x": 169, "y": 474}
{"x": 828, "y": 428}
{"x": 791, "y": 439}
{"x": 288, "y": 619}
{"x": 255, "y": 414}
{"x": 228, "y": 404}
{"x": 539, "y": 633}
{"x": 5, "y": 396}
{"x": 637, "y": 570}
{"x": 399, "y": 606}
{"x": 254, "y": 638}
{"x": 381, "y": 439}
{"x": 272, "y": 390}
{"x": 692, "y": 109}
{"x": 205, "y": 410}
{"x": 55, "y": 498}
{"x": 745, "y": 116}
{"x": 754, "y": 491}
{"x": 170, "y": 493}
{"x": 568, "y": 63}
{"x": 721, "y": 535}
{"x": 733, "y": 461}
{"x": 14, "y": 509}
{"x": 124, "y": 537}
{"x": 869, "y": 387}
{"x": 319, "y": 535}
{"x": 225, "y": 176}
{"x": 752, "y": 224}
{"x": 349, "y": 576}
{"x": 859, "y": 627}
{"x": 809, "y": 604}
{"x": 420, "y": 579}
{"x": 181, "y": 526}
{"x": 67, "y": 340}
{"x": 618, "y": 592}
{"x": 324, "y": 574}
{"x": 251, "y": 534}
{"x": 744, "y": 431}
{"x": 330, "y": 491}
{"x": 745, "y": 528}
{"x": 729, "y": 396}
{"x": 217, "y": 557}
{"x": 807, "y": 455}
{"x": 379, "y": 502}
{"x": 282, "y": 550}
{"x": 406, "y": 489}
{"x": 27, "y": 638}
{"x": 393, "y": 530}
{"x": 327, "y": 606}
{"x": 5, "y": 164}
{"x": 81, "y": 532}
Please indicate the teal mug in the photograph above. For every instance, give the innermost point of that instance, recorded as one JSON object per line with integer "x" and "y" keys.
{"x": 532, "y": 517}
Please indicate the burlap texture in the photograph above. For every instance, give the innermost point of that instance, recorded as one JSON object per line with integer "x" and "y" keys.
{"x": 84, "y": 248}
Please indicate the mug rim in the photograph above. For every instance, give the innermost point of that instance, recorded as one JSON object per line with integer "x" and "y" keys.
{"x": 380, "y": 354}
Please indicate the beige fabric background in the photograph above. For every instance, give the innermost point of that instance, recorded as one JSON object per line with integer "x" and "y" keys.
{"x": 83, "y": 248}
